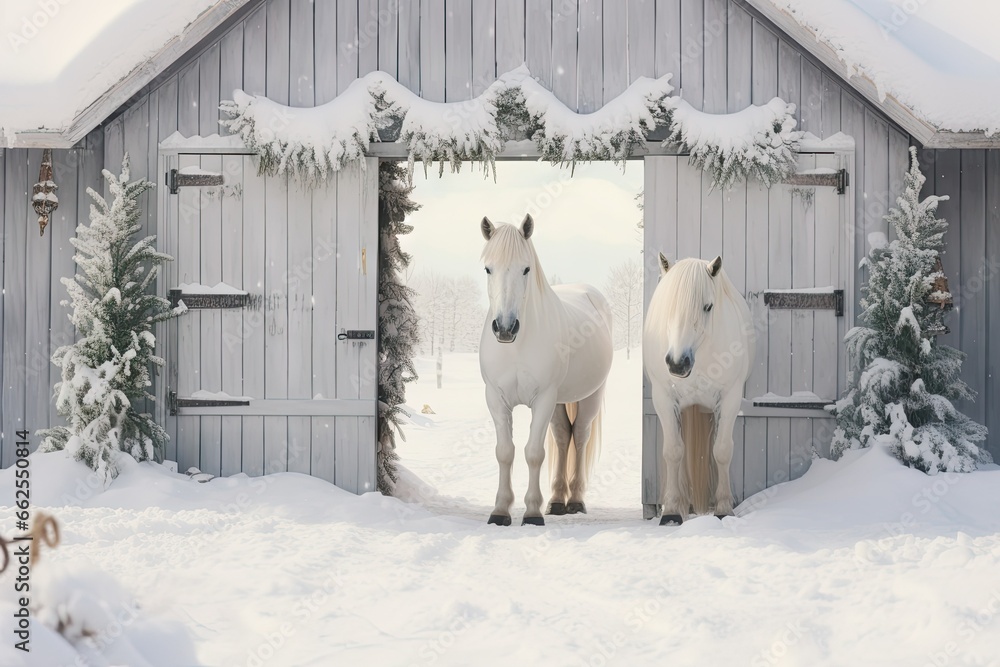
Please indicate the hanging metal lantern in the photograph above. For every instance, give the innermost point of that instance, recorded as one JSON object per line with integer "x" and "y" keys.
{"x": 940, "y": 296}
{"x": 939, "y": 293}
{"x": 43, "y": 198}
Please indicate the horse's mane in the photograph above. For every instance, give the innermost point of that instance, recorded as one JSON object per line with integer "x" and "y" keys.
{"x": 683, "y": 291}
{"x": 507, "y": 246}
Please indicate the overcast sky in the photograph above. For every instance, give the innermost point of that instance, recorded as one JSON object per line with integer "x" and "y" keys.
{"x": 584, "y": 225}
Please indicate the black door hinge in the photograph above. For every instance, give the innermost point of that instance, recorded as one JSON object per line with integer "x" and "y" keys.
{"x": 174, "y": 180}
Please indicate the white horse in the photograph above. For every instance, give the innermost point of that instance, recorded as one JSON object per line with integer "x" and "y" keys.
{"x": 698, "y": 346}
{"x": 548, "y": 348}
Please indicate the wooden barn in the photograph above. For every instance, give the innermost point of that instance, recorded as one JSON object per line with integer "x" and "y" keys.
{"x": 287, "y": 349}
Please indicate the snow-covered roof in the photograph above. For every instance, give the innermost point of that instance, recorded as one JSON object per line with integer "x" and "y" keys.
{"x": 932, "y": 65}
{"x": 67, "y": 66}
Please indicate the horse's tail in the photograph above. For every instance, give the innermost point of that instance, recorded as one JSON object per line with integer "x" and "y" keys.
{"x": 593, "y": 449}
{"x": 591, "y": 452}
{"x": 696, "y": 431}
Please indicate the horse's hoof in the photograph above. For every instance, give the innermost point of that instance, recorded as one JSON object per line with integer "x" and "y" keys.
{"x": 576, "y": 508}
{"x": 532, "y": 521}
{"x": 670, "y": 519}
{"x": 499, "y": 520}
{"x": 556, "y": 509}
{"x": 720, "y": 517}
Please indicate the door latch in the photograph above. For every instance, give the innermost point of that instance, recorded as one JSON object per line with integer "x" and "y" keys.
{"x": 356, "y": 334}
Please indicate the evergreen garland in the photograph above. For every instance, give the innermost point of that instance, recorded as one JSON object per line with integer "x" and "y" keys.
{"x": 445, "y": 133}
{"x": 615, "y": 132}
{"x": 107, "y": 369}
{"x": 398, "y": 334}
{"x": 764, "y": 148}
{"x": 309, "y": 144}
{"x": 902, "y": 390}
{"x": 312, "y": 144}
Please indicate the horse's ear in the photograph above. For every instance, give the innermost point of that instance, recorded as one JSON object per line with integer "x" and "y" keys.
{"x": 487, "y": 228}
{"x": 527, "y": 226}
{"x": 715, "y": 266}
{"x": 664, "y": 264}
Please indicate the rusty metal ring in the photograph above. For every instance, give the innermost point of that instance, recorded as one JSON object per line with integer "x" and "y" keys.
{"x": 6, "y": 554}
{"x": 44, "y": 530}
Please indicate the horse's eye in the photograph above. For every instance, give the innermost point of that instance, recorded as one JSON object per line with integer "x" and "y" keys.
{"x": 488, "y": 272}
{"x": 708, "y": 307}
{"x": 526, "y": 269}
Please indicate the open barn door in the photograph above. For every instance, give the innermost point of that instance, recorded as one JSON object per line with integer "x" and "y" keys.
{"x": 789, "y": 250}
{"x": 274, "y": 367}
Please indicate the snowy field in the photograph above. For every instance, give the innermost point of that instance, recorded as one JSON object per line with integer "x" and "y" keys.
{"x": 861, "y": 562}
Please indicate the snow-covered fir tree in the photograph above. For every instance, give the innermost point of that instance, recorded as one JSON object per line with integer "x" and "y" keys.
{"x": 106, "y": 372}
{"x": 904, "y": 383}
{"x": 398, "y": 332}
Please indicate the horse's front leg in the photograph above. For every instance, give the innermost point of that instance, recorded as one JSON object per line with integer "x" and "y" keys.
{"x": 534, "y": 453}
{"x": 583, "y": 426}
{"x": 722, "y": 448}
{"x": 504, "y": 423}
{"x": 675, "y": 495}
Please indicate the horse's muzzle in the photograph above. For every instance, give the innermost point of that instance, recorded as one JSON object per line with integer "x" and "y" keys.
{"x": 505, "y": 335}
{"x": 682, "y": 367}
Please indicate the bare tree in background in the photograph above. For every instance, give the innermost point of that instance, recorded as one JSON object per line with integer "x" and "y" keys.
{"x": 450, "y": 311}
{"x": 462, "y": 309}
{"x": 624, "y": 292}
{"x": 432, "y": 294}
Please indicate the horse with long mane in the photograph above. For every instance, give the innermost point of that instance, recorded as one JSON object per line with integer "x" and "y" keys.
{"x": 548, "y": 348}
{"x": 698, "y": 347}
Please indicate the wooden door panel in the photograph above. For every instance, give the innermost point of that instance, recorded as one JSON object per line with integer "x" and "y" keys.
{"x": 788, "y": 237}
{"x": 308, "y": 260}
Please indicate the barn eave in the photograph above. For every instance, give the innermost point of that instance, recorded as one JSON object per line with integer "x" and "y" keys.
{"x": 132, "y": 83}
{"x": 42, "y": 139}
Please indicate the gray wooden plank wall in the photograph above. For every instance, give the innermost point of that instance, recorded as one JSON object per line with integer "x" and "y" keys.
{"x": 723, "y": 56}
{"x": 971, "y": 179}
{"x": 33, "y": 323}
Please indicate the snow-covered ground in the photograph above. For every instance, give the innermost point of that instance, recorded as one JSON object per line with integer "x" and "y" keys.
{"x": 860, "y": 562}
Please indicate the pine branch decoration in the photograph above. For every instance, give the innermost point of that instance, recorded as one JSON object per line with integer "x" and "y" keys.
{"x": 398, "y": 333}
{"x": 763, "y": 147}
{"x": 309, "y": 144}
{"x": 615, "y": 132}
{"x": 444, "y": 133}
